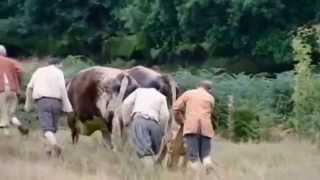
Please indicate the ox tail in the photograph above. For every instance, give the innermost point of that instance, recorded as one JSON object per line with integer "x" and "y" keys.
{"x": 123, "y": 88}
{"x": 115, "y": 101}
{"x": 173, "y": 89}
{"x": 68, "y": 84}
{"x": 116, "y": 108}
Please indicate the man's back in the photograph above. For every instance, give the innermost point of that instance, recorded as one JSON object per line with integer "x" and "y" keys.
{"x": 198, "y": 105}
{"x": 47, "y": 82}
{"x": 10, "y": 74}
{"x": 148, "y": 101}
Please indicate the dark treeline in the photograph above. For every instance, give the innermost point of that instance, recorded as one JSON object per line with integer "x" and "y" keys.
{"x": 157, "y": 31}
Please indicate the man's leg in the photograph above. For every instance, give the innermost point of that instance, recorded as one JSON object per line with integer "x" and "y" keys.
{"x": 156, "y": 135}
{"x": 56, "y": 113}
{"x": 56, "y": 110}
{"x": 205, "y": 152}
{"x": 4, "y": 119}
{"x": 12, "y": 105}
{"x": 141, "y": 140}
{"x": 193, "y": 150}
{"x": 46, "y": 118}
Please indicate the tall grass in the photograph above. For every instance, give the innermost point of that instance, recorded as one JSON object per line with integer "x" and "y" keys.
{"x": 24, "y": 158}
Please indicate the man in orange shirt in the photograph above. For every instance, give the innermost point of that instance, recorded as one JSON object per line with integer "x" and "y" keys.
{"x": 10, "y": 84}
{"x": 194, "y": 110}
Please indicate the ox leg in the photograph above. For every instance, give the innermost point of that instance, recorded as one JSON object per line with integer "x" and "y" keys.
{"x": 107, "y": 142}
{"x": 184, "y": 162}
{"x": 73, "y": 125}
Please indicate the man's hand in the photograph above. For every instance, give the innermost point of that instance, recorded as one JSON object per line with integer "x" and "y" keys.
{"x": 179, "y": 117}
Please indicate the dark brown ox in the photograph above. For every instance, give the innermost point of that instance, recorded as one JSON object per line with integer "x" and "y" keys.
{"x": 147, "y": 77}
{"x": 91, "y": 104}
{"x": 94, "y": 93}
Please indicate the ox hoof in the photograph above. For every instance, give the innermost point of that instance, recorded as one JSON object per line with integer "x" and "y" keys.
{"x": 55, "y": 151}
{"x": 23, "y": 130}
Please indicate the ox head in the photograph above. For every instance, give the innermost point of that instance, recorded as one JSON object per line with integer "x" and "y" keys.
{"x": 168, "y": 86}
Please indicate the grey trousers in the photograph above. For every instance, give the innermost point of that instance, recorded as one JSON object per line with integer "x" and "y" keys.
{"x": 146, "y": 135}
{"x": 198, "y": 147}
{"x": 49, "y": 111}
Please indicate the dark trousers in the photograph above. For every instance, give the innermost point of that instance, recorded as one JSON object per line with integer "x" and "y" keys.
{"x": 49, "y": 110}
{"x": 198, "y": 146}
{"x": 146, "y": 136}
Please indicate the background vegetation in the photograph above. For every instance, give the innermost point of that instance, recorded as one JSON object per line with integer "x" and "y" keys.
{"x": 193, "y": 38}
{"x": 185, "y": 32}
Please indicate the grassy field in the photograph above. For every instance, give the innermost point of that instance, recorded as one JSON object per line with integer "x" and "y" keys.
{"x": 24, "y": 158}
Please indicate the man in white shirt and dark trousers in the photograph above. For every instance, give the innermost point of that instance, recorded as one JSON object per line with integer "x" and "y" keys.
{"x": 146, "y": 112}
{"x": 47, "y": 89}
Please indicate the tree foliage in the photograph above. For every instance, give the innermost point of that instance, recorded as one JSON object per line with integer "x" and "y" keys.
{"x": 259, "y": 29}
{"x": 306, "y": 95}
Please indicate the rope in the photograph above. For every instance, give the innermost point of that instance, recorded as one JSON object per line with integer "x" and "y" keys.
{"x": 168, "y": 125}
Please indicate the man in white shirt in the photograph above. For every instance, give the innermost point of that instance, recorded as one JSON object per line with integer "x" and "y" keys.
{"x": 149, "y": 113}
{"x": 47, "y": 89}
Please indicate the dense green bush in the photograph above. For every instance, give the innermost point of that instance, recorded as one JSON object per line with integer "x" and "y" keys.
{"x": 245, "y": 125}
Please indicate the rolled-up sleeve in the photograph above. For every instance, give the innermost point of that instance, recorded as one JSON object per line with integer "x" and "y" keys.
{"x": 29, "y": 91}
{"x": 179, "y": 106}
{"x": 19, "y": 71}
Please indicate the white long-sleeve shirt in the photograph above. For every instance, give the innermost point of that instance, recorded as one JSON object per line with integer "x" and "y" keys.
{"x": 49, "y": 82}
{"x": 147, "y": 101}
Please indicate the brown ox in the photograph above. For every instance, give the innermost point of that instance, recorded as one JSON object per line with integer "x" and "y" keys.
{"x": 93, "y": 94}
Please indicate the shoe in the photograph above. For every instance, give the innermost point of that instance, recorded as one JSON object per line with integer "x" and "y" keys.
{"x": 208, "y": 165}
{"x": 23, "y": 130}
